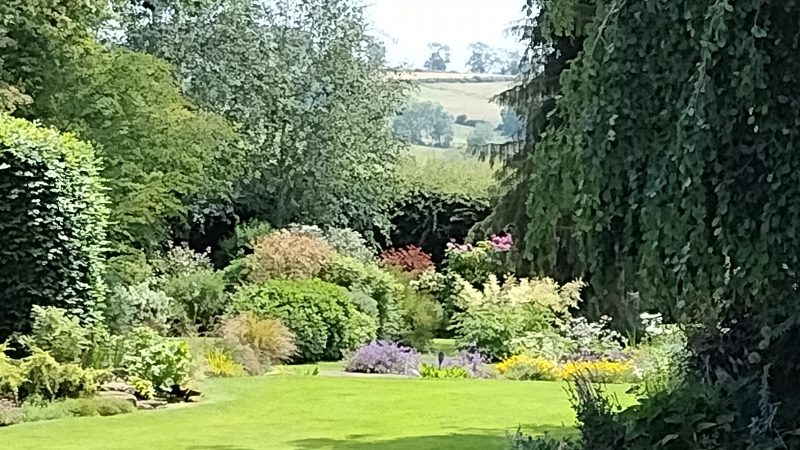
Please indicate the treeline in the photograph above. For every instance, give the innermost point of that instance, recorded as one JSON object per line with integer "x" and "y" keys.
{"x": 206, "y": 113}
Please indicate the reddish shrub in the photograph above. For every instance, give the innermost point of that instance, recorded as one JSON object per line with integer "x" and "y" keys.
{"x": 409, "y": 259}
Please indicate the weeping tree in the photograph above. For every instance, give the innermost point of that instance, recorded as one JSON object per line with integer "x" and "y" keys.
{"x": 669, "y": 158}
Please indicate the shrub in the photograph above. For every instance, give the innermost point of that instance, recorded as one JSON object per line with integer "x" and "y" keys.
{"x": 373, "y": 282}
{"x": 350, "y": 243}
{"x": 241, "y": 243}
{"x": 129, "y": 307}
{"x": 409, "y": 259}
{"x": 471, "y": 360}
{"x": 44, "y": 376}
{"x": 420, "y": 312}
{"x": 430, "y": 371}
{"x": 444, "y": 287}
{"x": 547, "y": 344}
{"x": 383, "y": 357}
{"x": 285, "y": 255}
{"x": 126, "y": 269}
{"x": 222, "y": 365}
{"x": 161, "y": 361}
{"x": 11, "y": 375}
{"x": 199, "y": 296}
{"x": 179, "y": 260}
{"x": 268, "y": 339}
{"x": 61, "y": 336}
{"x": 601, "y": 371}
{"x": 461, "y": 118}
{"x": 493, "y": 319}
{"x": 10, "y": 414}
{"x": 475, "y": 263}
{"x": 322, "y": 317}
{"x": 661, "y": 360}
{"x": 520, "y": 441}
{"x": 53, "y": 226}
{"x": 523, "y": 367}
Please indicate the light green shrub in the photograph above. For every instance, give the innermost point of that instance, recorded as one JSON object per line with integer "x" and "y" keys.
{"x": 348, "y": 242}
{"x": 44, "y": 376}
{"x": 55, "y": 332}
{"x": 494, "y": 318}
{"x": 163, "y": 362}
{"x": 129, "y": 307}
{"x": 199, "y": 297}
{"x": 244, "y": 235}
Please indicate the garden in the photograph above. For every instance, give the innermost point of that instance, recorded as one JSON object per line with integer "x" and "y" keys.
{"x": 211, "y": 236}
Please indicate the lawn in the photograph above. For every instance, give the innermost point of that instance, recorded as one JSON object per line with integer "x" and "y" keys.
{"x": 472, "y": 99}
{"x": 321, "y": 413}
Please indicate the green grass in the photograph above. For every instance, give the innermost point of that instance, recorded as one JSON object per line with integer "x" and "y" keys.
{"x": 320, "y": 413}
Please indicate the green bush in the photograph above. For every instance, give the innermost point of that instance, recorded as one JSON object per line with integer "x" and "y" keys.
{"x": 53, "y": 224}
{"x": 88, "y": 407}
{"x": 429, "y": 371}
{"x": 161, "y": 361}
{"x": 129, "y": 307}
{"x": 61, "y": 336}
{"x": 350, "y": 243}
{"x": 322, "y": 317}
{"x": 128, "y": 268}
{"x": 269, "y": 341}
{"x": 241, "y": 243}
{"x": 46, "y": 377}
{"x": 368, "y": 279}
{"x": 199, "y": 296}
{"x": 444, "y": 287}
{"x": 420, "y": 312}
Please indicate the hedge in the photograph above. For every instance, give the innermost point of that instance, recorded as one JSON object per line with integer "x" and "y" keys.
{"x": 53, "y": 219}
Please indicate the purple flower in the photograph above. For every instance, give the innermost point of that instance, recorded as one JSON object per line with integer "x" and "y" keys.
{"x": 502, "y": 243}
{"x": 470, "y": 360}
{"x": 383, "y": 357}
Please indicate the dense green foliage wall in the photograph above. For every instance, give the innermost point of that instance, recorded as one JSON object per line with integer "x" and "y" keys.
{"x": 670, "y": 160}
{"x": 53, "y": 229}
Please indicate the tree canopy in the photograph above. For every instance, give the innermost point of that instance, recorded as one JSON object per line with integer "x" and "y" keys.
{"x": 425, "y": 123}
{"x": 440, "y": 57}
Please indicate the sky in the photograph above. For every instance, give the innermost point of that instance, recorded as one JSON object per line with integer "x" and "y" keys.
{"x": 407, "y": 26}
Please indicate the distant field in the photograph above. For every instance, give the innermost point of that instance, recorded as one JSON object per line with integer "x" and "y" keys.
{"x": 472, "y": 99}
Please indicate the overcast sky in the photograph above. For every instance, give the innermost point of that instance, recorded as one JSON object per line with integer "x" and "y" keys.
{"x": 409, "y": 25}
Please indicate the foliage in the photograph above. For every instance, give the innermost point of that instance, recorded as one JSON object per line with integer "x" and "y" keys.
{"x": 350, "y": 243}
{"x": 54, "y": 224}
{"x": 369, "y": 282}
{"x": 129, "y": 307}
{"x": 158, "y": 150}
{"x": 287, "y": 255}
{"x": 199, "y": 297}
{"x": 322, "y": 317}
{"x": 161, "y": 361}
{"x": 511, "y": 125}
{"x": 431, "y": 371}
{"x": 420, "y": 312}
{"x": 436, "y": 202}
{"x": 523, "y": 367}
{"x": 11, "y": 375}
{"x": 37, "y": 38}
{"x": 520, "y": 441}
{"x": 661, "y": 361}
{"x": 53, "y": 331}
{"x": 179, "y": 260}
{"x": 222, "y": 365}
{"x": 598, "y": 371}
{"x": 492, "y": 319}
{"x": 482, "y": 135}
{"x": 270, "y": 341}
{"x": 475, "y": 263}
{"x": 127, "y": 268}
{"x": 73, "y": 407}
{"x": 306, "y": 84}
{"x": 409, "y": 259}
{"x": 244, "y": 235}
{"x": 384, "y": 357}
{"x": 439, "y": 59}
{"x": 144, "y": 388}
{"x": 470, "y": 360}
{"x": 482, "y": 58}
{"x": 425, "y": 123}
{"x": 46, "y": 377}
{"x": 444, "y": 287}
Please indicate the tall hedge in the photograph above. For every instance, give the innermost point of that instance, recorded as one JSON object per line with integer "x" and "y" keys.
{"x": 53, "y": 219}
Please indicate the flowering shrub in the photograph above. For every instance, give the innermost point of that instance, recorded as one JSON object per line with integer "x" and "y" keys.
{"x": 383, "y": 357}
{"x": 661, "y": 359}
{"x": 524, "y": 367}
{"x": 494, "y": 318}
{"x": 592, "y": 338}
{"x": 599, "y": 371}
{"x": 410, "y": 259}
{"x": 476, "y": 263}
{"x": 286, "y": 255}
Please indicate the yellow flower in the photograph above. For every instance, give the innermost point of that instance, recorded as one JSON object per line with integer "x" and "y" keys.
{"x": 526, "y": 367}
{"x": 602, "y": 371}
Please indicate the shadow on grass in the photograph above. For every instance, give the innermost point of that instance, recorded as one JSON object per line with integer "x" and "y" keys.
{"x": 465, "y": 440}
